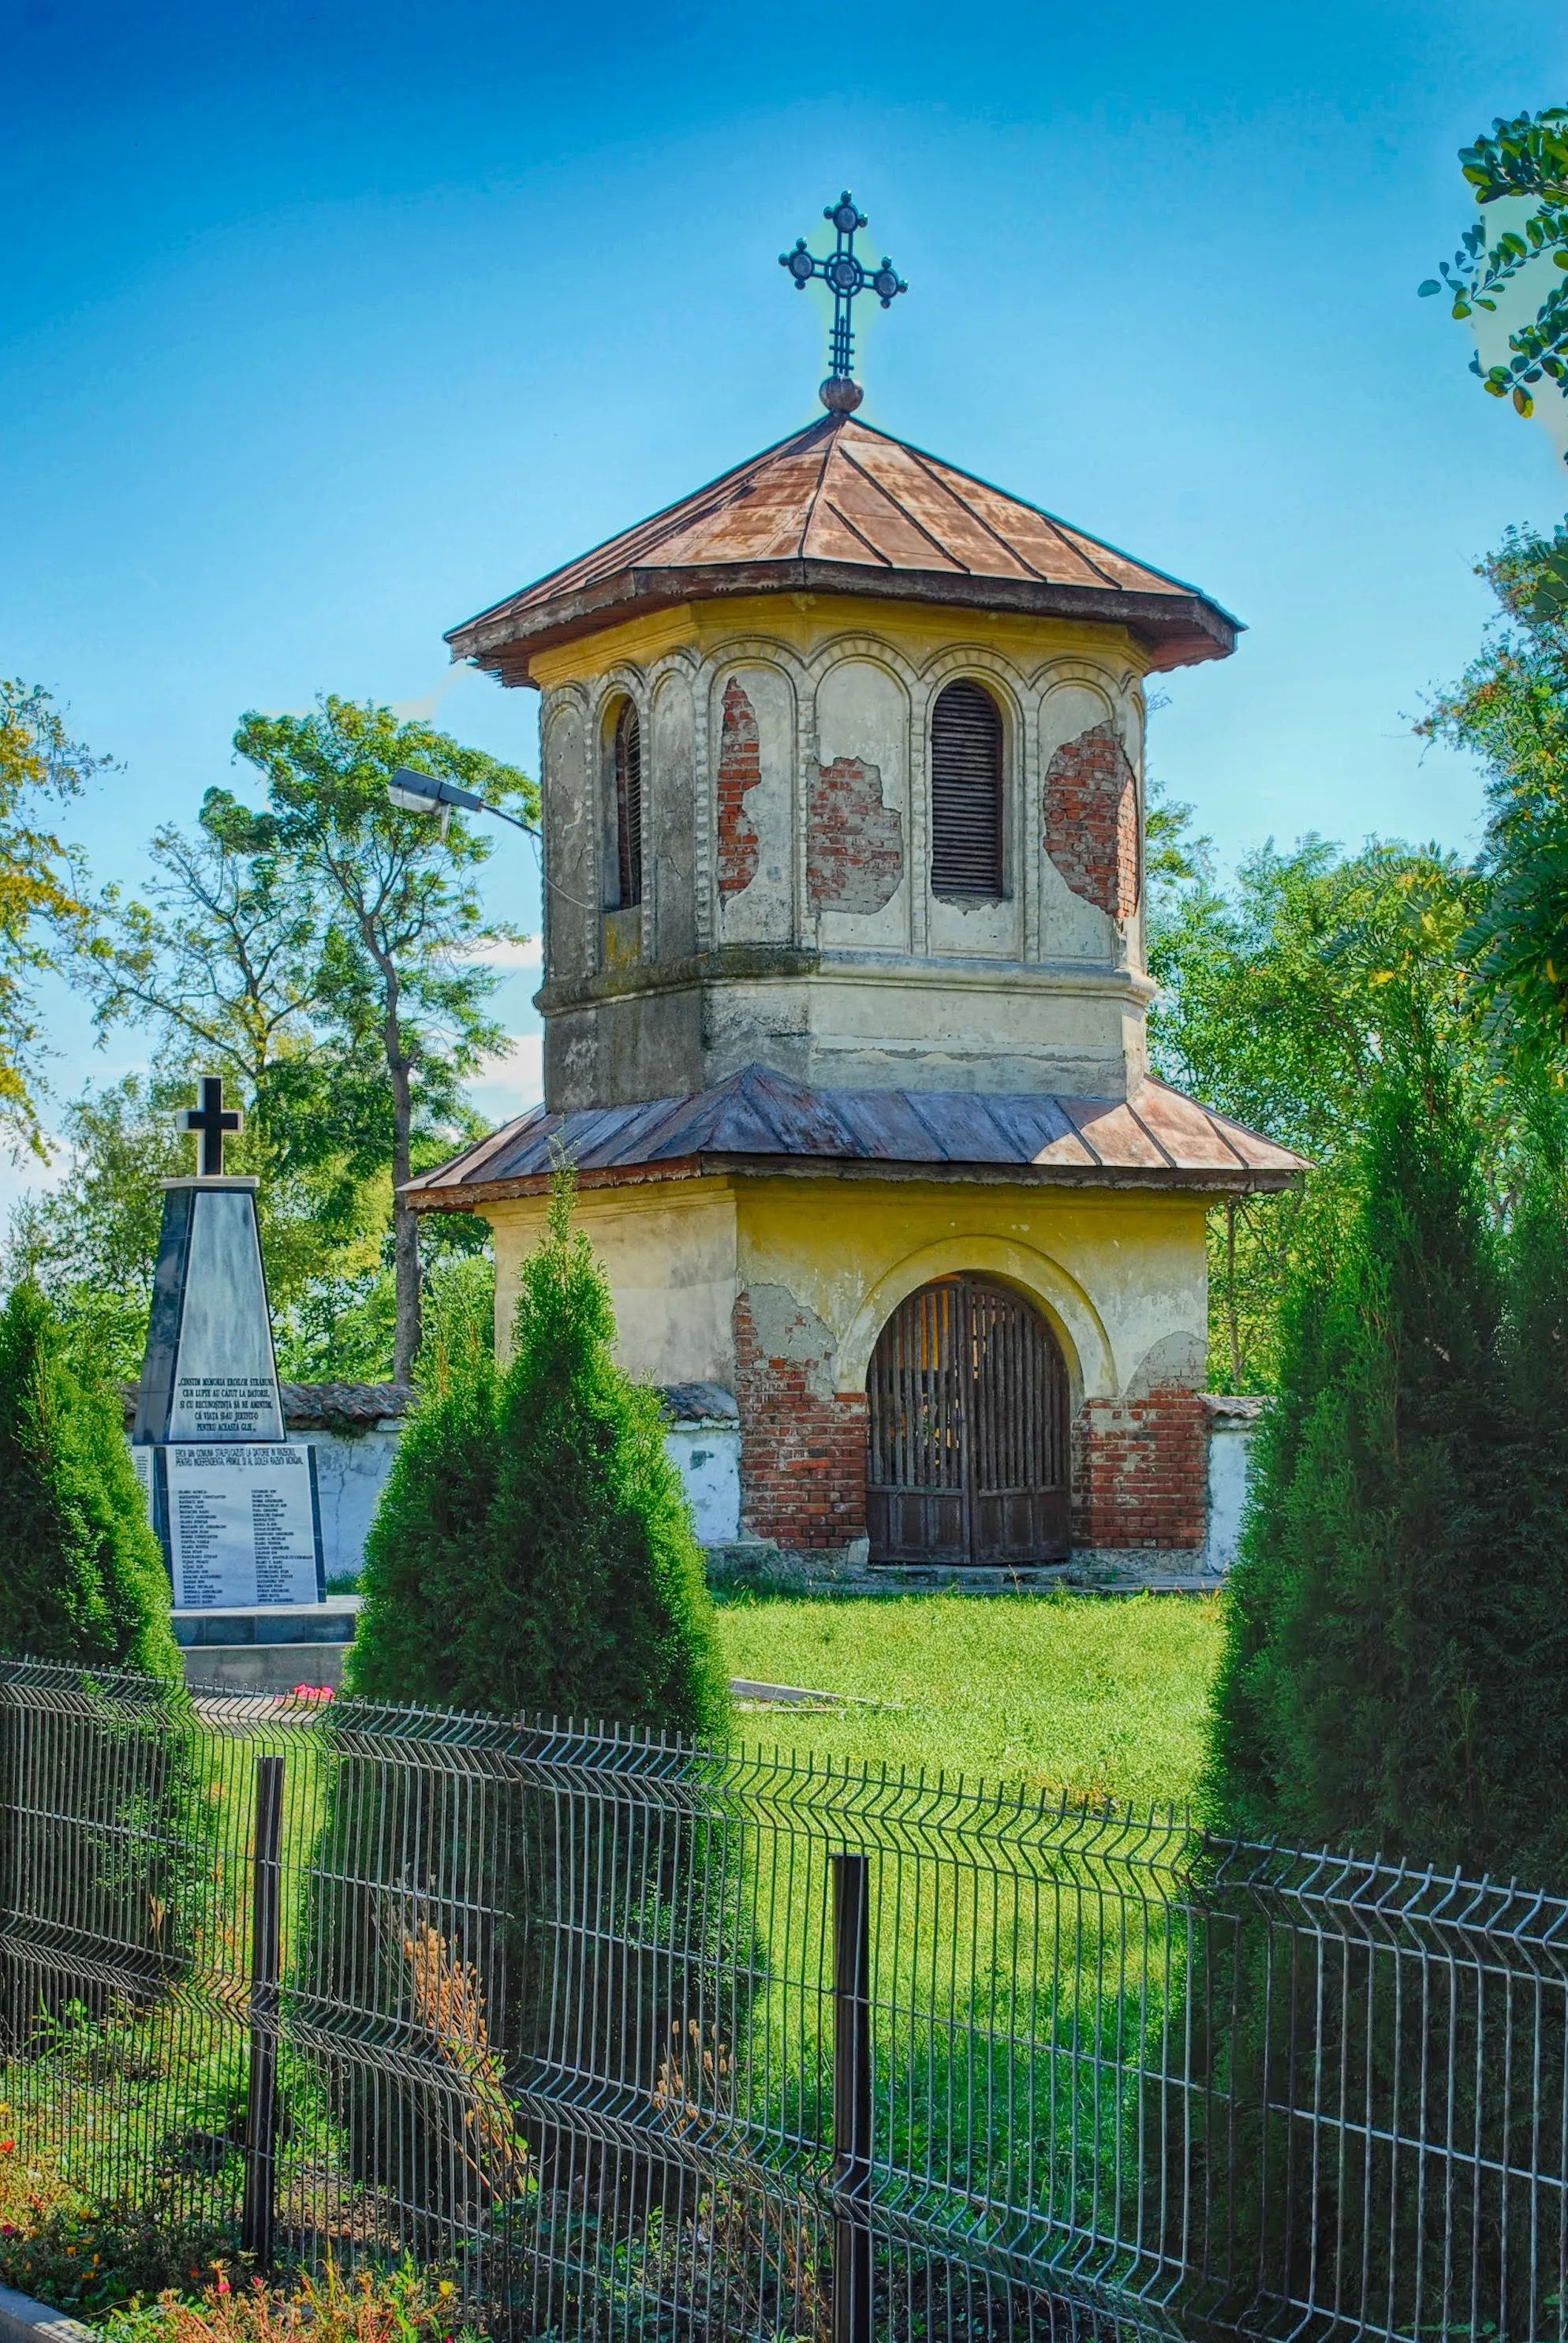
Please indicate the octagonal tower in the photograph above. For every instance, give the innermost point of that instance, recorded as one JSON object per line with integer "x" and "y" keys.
{"x": 844, "y": 869}
{"x": 844, "y": 1002}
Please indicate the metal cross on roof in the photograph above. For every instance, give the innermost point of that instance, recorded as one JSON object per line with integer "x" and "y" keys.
{"x": 210, "y": 1121}
{"x": 846, "y": 275}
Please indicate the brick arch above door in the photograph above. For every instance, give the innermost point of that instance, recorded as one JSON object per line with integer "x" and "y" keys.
{"x": 1073, "y": 1318}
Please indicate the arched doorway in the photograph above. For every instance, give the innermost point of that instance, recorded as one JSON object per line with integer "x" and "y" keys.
{"x": 969, "y": 1430}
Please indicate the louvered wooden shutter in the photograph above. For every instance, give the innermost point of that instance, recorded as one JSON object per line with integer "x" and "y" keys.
{"x": 629, "y": 805}
{"x": 966, "y": 792}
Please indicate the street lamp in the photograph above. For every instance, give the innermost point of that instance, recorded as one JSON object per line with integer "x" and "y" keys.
{"x": 423, "y": 793}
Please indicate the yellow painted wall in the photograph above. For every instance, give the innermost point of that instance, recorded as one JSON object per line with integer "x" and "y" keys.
{"x": 1121, "y": 1272}
{"x": 806, "y": 621}
{"x": 670, "y": 1247}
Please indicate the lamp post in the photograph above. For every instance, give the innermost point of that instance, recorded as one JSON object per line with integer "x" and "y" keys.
{"x": 423, "y": 793}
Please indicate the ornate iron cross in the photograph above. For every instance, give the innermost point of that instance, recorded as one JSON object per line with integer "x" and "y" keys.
{"x": 847, "y": 276}
{"x": 210, "y": 1121}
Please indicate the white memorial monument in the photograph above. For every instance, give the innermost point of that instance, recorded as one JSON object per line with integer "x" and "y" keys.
{"x": 234, "y": 1504}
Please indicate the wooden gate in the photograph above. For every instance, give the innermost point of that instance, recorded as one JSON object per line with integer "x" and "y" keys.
{"x": 969, "y": 1435}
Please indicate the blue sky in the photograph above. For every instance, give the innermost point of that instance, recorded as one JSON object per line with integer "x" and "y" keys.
{"x": 327, "y": 324}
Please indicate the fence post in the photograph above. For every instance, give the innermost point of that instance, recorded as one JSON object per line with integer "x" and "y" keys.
{"x": 851, "y": 2177}
{"x": 261, "y": 2097}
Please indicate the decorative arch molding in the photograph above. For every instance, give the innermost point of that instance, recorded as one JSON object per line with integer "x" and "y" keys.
{"x": 1077, "y": 1326}
{"x": 1112, "y": 681}
{"x": 754, "y": 651}
{"x": 1099, "y": 687}
{"x": 622, "y": 681}
{"x": 951, "y": 666}
{"x": 565, "y": 699}
{"x": 861, "y": 650}
{"x": 973, "y": 658}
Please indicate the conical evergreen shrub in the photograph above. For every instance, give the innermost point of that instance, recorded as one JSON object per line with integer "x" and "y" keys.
{"x": 82, "y": 1579}
{"x": 532, "y": 1555}
{"x": 590, "y": 1601}
{"x": 1526, "y": 1689}
{"x": 425, "y": 1551}
{"x": 1372, "y": 1586}
{"x": 1382, "y": 1689}
{"x": 83, "y": 1582}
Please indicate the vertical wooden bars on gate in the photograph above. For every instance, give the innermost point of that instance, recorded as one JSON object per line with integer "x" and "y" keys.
{"x": 261, "y": 2096}
{"x": 852, "y": 2179}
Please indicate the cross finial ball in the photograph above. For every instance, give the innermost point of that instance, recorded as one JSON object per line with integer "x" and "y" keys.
{"x": 847, "y": 277}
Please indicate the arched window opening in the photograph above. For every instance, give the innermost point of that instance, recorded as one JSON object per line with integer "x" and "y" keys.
{"x": 968, "y": 1462}
{"x": 627, "y": 807}
{"x": 966, "y": 792}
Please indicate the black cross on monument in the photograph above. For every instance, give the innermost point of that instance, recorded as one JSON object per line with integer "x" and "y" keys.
{"x": 840, "y": 393}
{"x": 210, "y": 1121}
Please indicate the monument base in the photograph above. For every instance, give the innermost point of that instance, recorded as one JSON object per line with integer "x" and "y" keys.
{"x": 268, "y": 1647}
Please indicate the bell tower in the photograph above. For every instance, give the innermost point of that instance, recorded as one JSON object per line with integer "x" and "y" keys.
{"x": 886, "y": 802}
{"x": 845, "y": 997}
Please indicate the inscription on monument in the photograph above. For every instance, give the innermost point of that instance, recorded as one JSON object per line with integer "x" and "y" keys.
{"x": 243, "y": 1525}
{"x": 225, "y": 1407}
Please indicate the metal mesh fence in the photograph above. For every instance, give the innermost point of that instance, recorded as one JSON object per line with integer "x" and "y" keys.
{"x": 634, "y": 2039}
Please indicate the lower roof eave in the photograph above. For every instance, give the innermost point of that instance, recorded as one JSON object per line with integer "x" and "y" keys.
{"x": 1220, "y": 1181}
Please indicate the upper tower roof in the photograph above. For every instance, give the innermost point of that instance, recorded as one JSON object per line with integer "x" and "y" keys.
{"x": 843, "y": 508}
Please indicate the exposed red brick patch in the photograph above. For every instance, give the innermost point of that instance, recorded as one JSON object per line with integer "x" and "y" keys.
{"x": 1091, "y": 820}
{"x": 740, "y": 769}
{"x": 854, "y": 843}
{"x": 1140, "y": 1471}
{"x": 802, "y": 1449}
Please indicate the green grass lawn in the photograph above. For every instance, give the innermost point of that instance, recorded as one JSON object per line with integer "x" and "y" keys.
{"x": 1094, "y": 1696}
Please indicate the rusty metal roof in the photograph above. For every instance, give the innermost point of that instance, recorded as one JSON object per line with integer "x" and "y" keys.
{"x": 759, "y": 1121}
{"x": 840, "y": 508}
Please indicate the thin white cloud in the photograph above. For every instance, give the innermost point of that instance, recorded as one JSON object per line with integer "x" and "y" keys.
{"x": 527, "y": 954}
{"x": 511, "y": 1078}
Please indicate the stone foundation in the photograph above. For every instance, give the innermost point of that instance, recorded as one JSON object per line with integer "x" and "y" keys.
{"x": 844, "y": 1570}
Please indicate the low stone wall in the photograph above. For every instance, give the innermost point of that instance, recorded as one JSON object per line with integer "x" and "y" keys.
{"x": 1205, "y": 1458}
{"x": 354, "y": 1429}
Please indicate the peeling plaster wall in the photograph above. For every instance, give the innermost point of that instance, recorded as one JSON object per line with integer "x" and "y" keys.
{"x": 669, "y": 810}
{"x": 1090, "y": 817}
{"x": 1122, "y": 1275}
{"x": 669, "y": 1251}
{"x": 570, "y": 903}
{"x": 860, "y": 808}
{"x": 788, "y": 915}
{"x": 762, "y": 910}
{"x": 776, "y": 1288}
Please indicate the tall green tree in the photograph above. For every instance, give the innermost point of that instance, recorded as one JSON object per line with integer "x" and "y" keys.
{"x": 402, "y": 990}
{"x": 90, "y": 1239}
{"x": 81, "y": 1577}
{"x": 1509, "y": 709}
{"x": 222, "y": 961}
{"x": 89, "y": 1242}
{"x": 1281, "y": 995}
{"x": 42, "y": 901}
{"x": 1375, "y": 1688}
